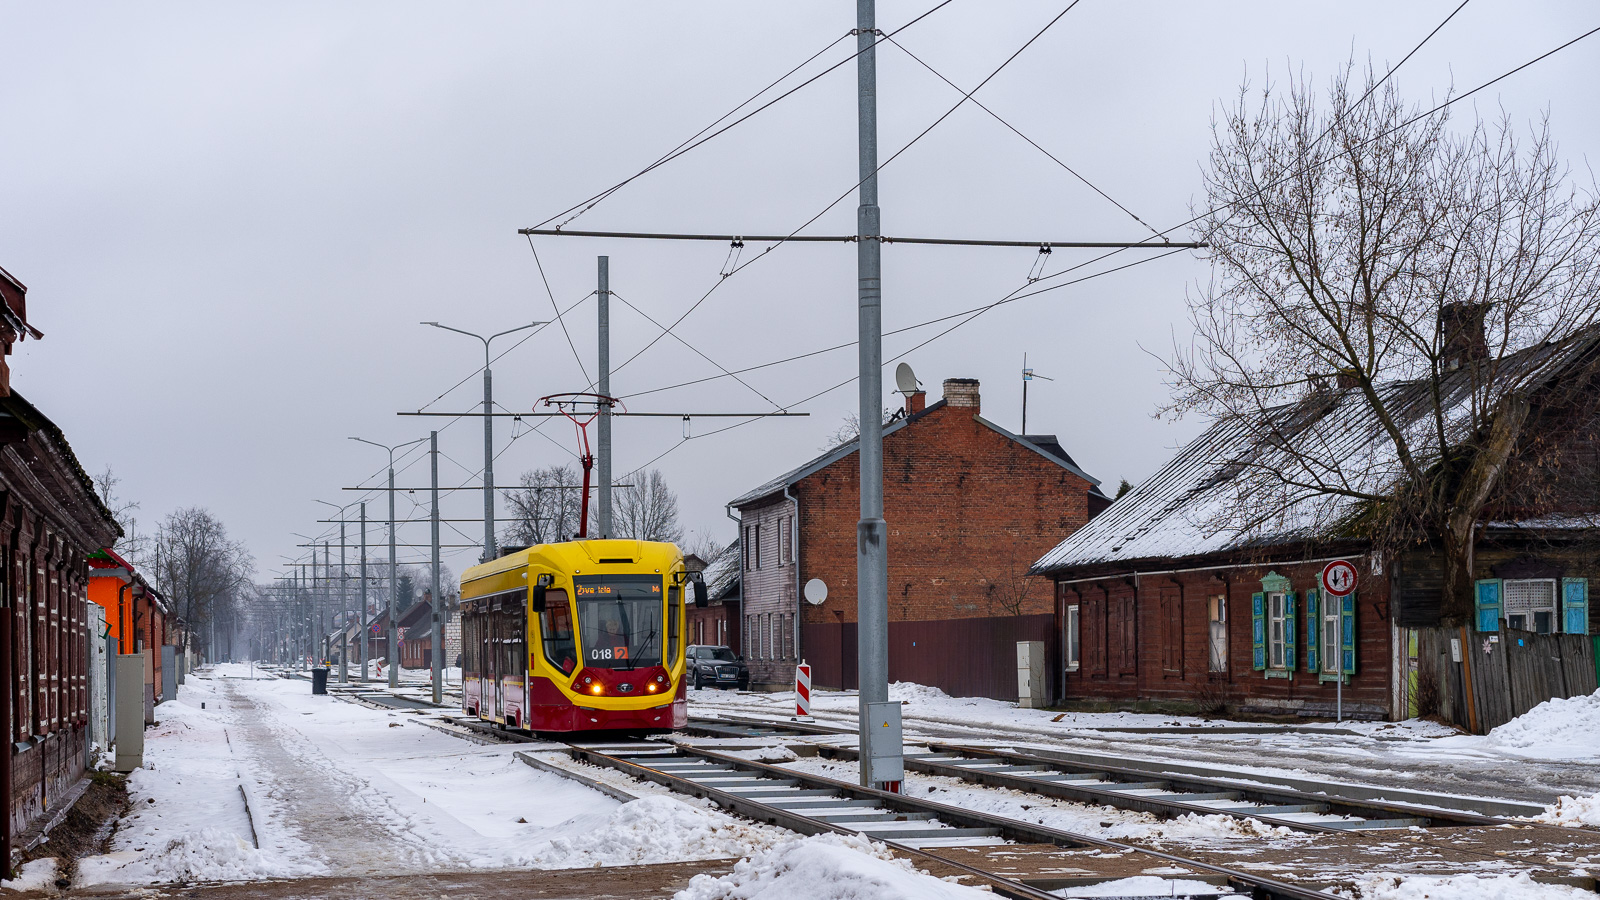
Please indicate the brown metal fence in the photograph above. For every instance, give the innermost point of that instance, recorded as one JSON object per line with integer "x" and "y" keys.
{"x": 1481, "y": 680}
{"x": 962, "y": 657}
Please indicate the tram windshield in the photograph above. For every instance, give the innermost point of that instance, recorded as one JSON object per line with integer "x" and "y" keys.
{"x": 619, "y": 620}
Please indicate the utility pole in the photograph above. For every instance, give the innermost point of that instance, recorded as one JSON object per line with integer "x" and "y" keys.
{"x": 604, "y": 407}
{"x": 490, "y": 551}
{"x": 344, "y": 604}
{"x": 325, "y": 606}
{"x": 362, "y": 617}
{"x": 394, "y": 592}
{"x": 438, "y": 621}
{"x": 879, "y": 762}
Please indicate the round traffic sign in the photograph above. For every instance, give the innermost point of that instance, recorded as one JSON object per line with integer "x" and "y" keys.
{"x": 1339, "y": 577}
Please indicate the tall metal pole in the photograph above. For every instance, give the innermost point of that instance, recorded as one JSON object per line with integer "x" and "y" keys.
{"x": 604, "y": 386}
{"x": 362, "y": 617}
{"x": 438, "y": 623}
{"x": 489, "y": 551}
{"x": 872, "y": 551}
{"x": 324, "y": 606}
{"x": 394, "y": 591}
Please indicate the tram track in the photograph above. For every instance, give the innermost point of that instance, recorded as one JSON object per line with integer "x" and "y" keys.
{"x": 960, "y": 841}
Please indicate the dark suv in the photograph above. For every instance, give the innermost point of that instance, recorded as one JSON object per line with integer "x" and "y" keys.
{"x": 717, "y": 667}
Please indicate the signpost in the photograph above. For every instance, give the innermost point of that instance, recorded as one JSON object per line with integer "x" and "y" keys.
{"x": 1339, "y": 582}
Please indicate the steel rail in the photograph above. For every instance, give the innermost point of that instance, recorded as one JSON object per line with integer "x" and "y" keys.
{"x": 1327, "y": 798}
{"x": 1013, "y": 829}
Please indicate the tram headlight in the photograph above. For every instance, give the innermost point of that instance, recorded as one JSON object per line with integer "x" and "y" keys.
{"x": 595, "y": 689}
{"x": 651, "y": 687}
{"x": 661, "y": 679}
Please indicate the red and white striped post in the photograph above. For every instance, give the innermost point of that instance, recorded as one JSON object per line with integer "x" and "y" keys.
{"x": 802, "y": 692}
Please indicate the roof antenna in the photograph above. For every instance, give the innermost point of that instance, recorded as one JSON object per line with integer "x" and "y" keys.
{"x": 1027, "y": 376}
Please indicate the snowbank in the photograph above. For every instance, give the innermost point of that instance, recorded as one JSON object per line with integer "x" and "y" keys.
{"x": 648, "y": 830}
{"x": 826, "y": 867}
{"x": 1573, "y": 812}
{"x": 1463, "y": 887}
{"x": 39, "y": 875}
{"x": 1555, "y": 729}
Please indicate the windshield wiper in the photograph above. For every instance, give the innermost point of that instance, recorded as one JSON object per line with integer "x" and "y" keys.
{"x": 642, "y": 648}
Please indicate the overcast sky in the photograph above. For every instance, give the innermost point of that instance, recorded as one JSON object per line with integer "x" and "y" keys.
{"x": 232, "y": 217}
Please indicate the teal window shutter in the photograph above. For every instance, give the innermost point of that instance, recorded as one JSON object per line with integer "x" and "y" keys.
{"x": 1347, "y": 633}
{"x": 1313, "y": 628}
{"x": 1288, "y": 630}
{"x": 1575, "y": 605}
{"x": 1489, "y": 604}
{"x": 1258, "y": 631}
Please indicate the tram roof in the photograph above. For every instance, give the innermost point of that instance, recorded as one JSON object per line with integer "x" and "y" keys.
{"x": 579, "y": 556}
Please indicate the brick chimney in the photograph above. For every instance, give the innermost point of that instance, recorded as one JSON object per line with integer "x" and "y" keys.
{"x": 961, "y": 392}
{"x": 1461, "y": 334}
{"x": 916, "y": 402}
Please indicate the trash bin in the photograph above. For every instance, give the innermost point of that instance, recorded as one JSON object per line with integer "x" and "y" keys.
{"x": 319, "y": 680}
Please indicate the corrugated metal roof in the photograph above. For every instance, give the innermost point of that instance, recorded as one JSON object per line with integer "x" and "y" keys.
{"x": 1210, "y": 497}
{"x": 722, "y": 574}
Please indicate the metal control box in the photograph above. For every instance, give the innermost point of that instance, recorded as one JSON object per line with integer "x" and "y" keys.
{"x": 888, "y": 759}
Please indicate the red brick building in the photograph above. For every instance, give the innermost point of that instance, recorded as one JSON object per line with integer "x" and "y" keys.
{"x": 969, "y": 506}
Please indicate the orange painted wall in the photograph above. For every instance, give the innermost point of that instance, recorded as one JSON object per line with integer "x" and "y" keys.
{"x": 104, "y": 592}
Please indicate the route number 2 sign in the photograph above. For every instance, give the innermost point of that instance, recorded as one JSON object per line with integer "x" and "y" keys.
{"x": 1339, "y": 578}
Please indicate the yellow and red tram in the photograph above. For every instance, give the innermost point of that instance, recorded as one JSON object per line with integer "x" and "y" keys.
{"x": 584, "y": 635}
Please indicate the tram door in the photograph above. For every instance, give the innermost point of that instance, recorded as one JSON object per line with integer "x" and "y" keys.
{"x": 496, "y": 657}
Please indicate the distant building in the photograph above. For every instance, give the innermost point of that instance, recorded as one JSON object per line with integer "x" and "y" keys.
{"x": 969, "y": 506}
{"x": 717, "y": 623}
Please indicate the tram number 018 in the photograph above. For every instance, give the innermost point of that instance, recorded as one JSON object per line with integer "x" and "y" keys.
{"x": 609, "y": 653}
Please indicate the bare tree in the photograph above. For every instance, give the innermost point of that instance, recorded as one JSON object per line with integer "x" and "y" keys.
{"x": 702, "y": 544}
{"x": 203, "y": 574}
{"x": 546, "y": 508}
{"x": 647, "y": 510}
{"x": 1366, "y": 255}
{"x": 134, "y": 543}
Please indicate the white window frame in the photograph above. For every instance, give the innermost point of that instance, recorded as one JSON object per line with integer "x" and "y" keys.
{"x": 1277, "y": 606}
{"x": 1526, "y": 609}
{"x": 1332, "y": 635}
{"x": 1074, "y": 639}
{"x": 1217, "y": 643}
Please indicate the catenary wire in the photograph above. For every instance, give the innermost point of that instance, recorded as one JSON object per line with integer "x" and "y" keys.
{"x": 585, "y": 205}
{"x": 878, "y": 168}
{"x": 697, "y": 351}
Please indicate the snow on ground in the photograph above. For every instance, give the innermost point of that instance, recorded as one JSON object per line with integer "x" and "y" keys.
{"x": 38, "y": 875}
{"x": 339, "y": 788}
{"x": 1573, "y": 812}
{"x": 1143, "y": 886}
{"x": 1555, "y": 729}
{"x": 826, "y": 867}
{"x": 1105, "y": 822}
{"x": 1461, "y": 887}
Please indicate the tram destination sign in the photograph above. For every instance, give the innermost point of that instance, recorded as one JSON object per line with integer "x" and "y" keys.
{"x": 1339, "y": 577}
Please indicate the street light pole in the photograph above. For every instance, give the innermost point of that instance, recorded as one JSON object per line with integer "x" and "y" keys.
{"x": 362, "y": 616}
{"x": 394, "y": 593}
{"x": 489, "y": 550}
{"x": 344, "y": 595}
{"x": 438, "y": 603}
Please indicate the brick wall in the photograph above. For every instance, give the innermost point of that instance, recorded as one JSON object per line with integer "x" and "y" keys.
{"x": 968, "y": 510}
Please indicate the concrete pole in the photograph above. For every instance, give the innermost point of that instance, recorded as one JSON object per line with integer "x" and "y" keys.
{"x": 344, "y": 604}
{"x": 362, "y": 616}
{"x": 438, "y": 604}
{"x": 603, "y": 517}
{"x": 872, "y": 551}
{"x": 394, "y": 590}
{"x": 324, "y": 606}
{"x": 489, "y": 551}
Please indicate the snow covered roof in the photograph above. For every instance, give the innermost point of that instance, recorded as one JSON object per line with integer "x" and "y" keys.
{"x": 722, "y": 573}
{"x": 1210, "y": 498}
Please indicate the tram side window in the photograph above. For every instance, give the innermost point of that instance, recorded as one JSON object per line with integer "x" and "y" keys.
{"x": 470, "y": 626}
{"x": 555, "y": 631}
{"x": 674, "y": 614}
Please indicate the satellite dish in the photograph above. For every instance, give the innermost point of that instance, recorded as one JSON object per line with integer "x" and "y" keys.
{"x": 905, "y": 379}
{"x": 816, "y": 591}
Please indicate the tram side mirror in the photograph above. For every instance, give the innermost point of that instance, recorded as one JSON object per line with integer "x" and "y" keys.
{"x": 537, "y": 604}
{"x": 700, "y": 598}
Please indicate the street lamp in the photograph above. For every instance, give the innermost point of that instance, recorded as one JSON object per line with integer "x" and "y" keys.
{"x": 488, "y": 433}
{"x": 344, "y": 597}
{"x": 394, "y": 595}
